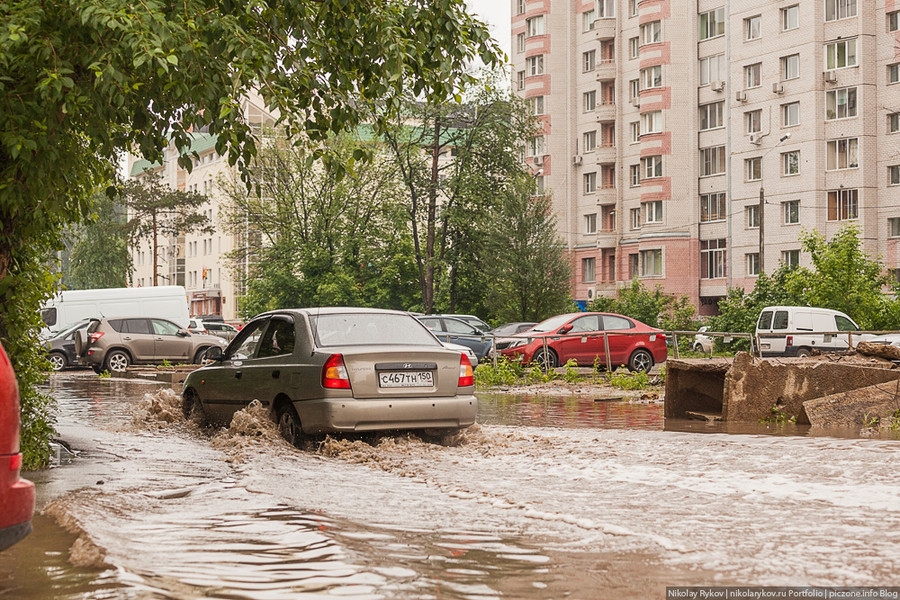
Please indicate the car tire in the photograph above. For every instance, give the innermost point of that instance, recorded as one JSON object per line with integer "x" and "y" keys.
{"x": 192, "y": 408}
{"x": 698, "y": 347}
{"x": 117, "y": 361}
{"x": 640, "y": 360}
{"x": 58, "y": 361}
{"x": 552, "y": 361}
{"x": 804, "y": 353}
{"x": 200, "y": 357}
{"x": 288, "y": 422}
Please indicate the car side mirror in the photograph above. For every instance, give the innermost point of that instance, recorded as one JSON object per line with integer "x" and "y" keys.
{"x": 183, "y": 333}
{"x": 214, "y": 353}
{"x": 566, "y": 328}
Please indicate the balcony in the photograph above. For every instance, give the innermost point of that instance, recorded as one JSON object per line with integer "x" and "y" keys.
{"x": 605, "y": 112}
{"x": 605, "y": 69}
{"x": 604, "y": 29}
{"x": 604, "y": 154}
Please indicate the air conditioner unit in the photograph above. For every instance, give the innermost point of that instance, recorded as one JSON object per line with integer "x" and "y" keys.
{"x": 538, "y": 159}
{"x": 778, "y": 88}
{"x": 576, "y": 160}
{"x": 829, "y": 76}
{"x": 718, "y": 86}
{"x": 591, "y": 293}
{"x": 740, "y": 96}
{"x": 755, "y": 138}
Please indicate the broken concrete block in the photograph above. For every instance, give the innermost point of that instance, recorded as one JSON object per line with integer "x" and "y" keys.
{"x": 849, "y": 409}
{"x": 880, "y": 350}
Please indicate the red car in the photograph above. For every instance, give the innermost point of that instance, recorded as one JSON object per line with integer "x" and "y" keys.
{"x": 579, "y": 336}
{"x": 16, "y": 495}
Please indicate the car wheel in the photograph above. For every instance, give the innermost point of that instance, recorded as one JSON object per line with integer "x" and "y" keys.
{"x": 200, "y": 357}
{"x": 289, "y": 423}
{"x": 117, "y": 361}
{"x": 57, "y": 361}
{"x": 192, "y": 408}
{"x": 804, "y": 353}
{"x": 640, "y": 360}
{"x": 551, "y": 361}
{"x": 698, "y": 347}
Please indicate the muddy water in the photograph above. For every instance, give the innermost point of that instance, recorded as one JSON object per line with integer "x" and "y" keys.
{"x": 548, "y": 497}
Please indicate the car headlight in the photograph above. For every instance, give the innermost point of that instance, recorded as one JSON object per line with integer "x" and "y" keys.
{"x": 518, "y": 343}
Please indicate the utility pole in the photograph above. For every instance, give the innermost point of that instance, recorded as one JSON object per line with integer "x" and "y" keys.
{"x": 762, "y": 210}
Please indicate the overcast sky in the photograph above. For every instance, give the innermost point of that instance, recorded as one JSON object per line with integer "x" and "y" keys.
{"x": 496, "y": 14}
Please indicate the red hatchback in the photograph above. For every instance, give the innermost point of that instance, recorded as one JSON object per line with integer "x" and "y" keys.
{"x": 16, "y": 495}
{"x": 579, "y": 336}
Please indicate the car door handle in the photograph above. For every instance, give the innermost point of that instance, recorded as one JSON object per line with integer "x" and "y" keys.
{"x": 126, "y": 338}
{"x": 276, "y": 374}
{"x": 237, "y": 374}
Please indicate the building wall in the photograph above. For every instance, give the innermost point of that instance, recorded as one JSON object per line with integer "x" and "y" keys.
{"x": 776, "y": 122}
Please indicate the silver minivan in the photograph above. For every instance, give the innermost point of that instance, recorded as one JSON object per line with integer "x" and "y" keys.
{"x": 796, "y": 330}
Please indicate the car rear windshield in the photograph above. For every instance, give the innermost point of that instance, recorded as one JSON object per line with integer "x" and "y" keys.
{"x": 361, "y": 329}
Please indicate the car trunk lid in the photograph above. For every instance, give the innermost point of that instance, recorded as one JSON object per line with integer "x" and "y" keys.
{"x": 386, "y": 371}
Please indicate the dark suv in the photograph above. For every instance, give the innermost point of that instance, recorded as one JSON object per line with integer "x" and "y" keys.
{"x": 113, "y": 344}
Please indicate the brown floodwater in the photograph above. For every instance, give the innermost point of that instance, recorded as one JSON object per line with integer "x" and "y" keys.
{"x": 547, "y": 497}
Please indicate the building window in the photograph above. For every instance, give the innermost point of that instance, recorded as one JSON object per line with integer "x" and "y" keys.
{"x": 635, "y": 172}
{"x": 653, "y": 211}
{"x": 588, "y": 270}
{"x": 790, "y": 114}
{"x": 791, "y": 258}
{"x": 651, "y": 263}
{"x": 753, "y": 28}
{"x": 712, "y": 24}
{"x": 635, "y": 218}
{"x": 790, "y": 17}
{"x": 634, "y": 89}
{"x": 634, "y": 265}
{"x": 590, "y": 100}
{"x": 632, "y": 8}
{"x": 606, "y": 8}
{"x": 712, "y": 116}
{"x": 520, "y": 7}
{"x": 893, "y": 122}
{"x": 753, "y": 75}
{"x": 590, "y": 223}
{"x": 712, "y": 68}
{"x": 520, "y": 42}
{"x": 894, "y": 175}
{"x": 842, "y": 154}
{"x": 893, "y": 20}
{"x": 840, "y": 54}
{"x": 712, "y": 161}
{"x": 752, "y": 263}
{"x": 839, "y": 9}
{"x": 651, "y": 32}
{"x": 520, "y": 79}
{"x": 752, "y": 213}
{"x": 634, "y": 47}
{"x": 651, "y": 77}
{"x": 590, "y": 141}
{"x": 893, "y": 73}
{"x": 536, "y": 146}
{"x": 894, "y": 226}
{"x": 790, "y": 67}
{"x": 712, "y": 258}
{"x": 590, "y": 182}
{"x": 843, "y": 205}
{"x": 536, "y": 104}
{"x": 535, "y": 65}
{"x": 589, "y": 17}
{"x": 753, "y": 121}
{"x": 652, "y": 166}
{"x": 539, "y": 185}
{"x": 790, "y": 163}
{"x": 635, "y": 132}
{"x": 589, "y": 60}
{"x": 534, "y": 26}
{"x": 753, "y": 169}
{"x": 712, "y": 207}
{"x": 651, "y": 122}
{"x": 840, "y": 104}
{"x": 790, "y": 212}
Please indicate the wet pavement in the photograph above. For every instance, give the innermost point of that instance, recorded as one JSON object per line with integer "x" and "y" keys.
{"x": 548, "y": 497}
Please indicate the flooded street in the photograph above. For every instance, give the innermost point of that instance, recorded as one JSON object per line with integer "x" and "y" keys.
{"x": 547, "y": 497}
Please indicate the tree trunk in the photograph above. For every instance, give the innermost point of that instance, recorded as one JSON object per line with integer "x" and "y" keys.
{"x": 428, "y": 296}
{"x": 155, "y": 252}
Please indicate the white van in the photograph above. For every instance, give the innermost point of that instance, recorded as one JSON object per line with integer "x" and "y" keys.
{"x": 801, "y": 328}
{"x": 165, "y": 301}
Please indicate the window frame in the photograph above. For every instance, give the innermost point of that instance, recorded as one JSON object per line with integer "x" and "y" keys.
{"x": 790, "y": 212}
{"x": 651, "y": 167}
{"x": 787, "y": 111}
{"x": 753, "y": 76}
{"x": 753, "y": 25}
{"x": 842, "y": 205}
{"x": 835, "y": 149}
{"x": 589, "y": 182}
{"x": 785, "y": 21}
{"x": 652, "y": 268}
{"x": 713, "y": 157}
{"x": 850, "y": 103}
{"x": 838, "y": 8}
{"x": 753, "y": 169}
{"x": 719, "y": 113}
{"x": 652, "y": 211}
{"x": 832, "y": 54}
{"x": 589, "y": 269}
{"x": 710, "y": 200}
{"x": 712, "y": 24}
{"x": 714, "y": 258}
{"x": 785, "y": 164}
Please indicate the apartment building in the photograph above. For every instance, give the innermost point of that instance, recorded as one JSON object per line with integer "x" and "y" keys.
{"x": 199, "y": 261}
{"x": 681, "y": 138}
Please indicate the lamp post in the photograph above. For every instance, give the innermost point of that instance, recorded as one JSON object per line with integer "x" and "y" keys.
{"x": 762, "y": 209}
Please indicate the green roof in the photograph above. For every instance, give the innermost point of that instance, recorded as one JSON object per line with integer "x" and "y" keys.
{"x": 200, "y": 143}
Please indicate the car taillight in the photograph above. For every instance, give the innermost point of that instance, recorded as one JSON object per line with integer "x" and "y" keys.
{"x": 95, "y": 336}
{"x": 15, "y": 462}
{"x": 790, "y": 340}
{"x": 334, "y": 373}
{"x": 466, "y": 374}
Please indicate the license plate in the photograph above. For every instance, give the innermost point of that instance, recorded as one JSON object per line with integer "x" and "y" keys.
{"x": 391, "y": 379}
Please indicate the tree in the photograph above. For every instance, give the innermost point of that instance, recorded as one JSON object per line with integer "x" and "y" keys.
{"x": 83, "y": 80}
{"x": 155, "y": 210}
{"x": 98, "y": 256}
{"x": 526, "y": 269}
{"x": 653, "y": 307}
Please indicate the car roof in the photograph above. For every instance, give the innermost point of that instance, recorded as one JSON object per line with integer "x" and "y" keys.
{"x": 332, "y": 310}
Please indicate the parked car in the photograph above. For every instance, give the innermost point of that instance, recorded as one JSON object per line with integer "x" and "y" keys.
{"x": 502, "y": 333}
{"x": 631, "y": 343}
{"x": 473, "y": 358}
{"x": 16, "y": 494}
{"x": 471, "y": 320}
{"x": 799, "y": 329}
{"x": 888, "y": 339}
{"x": 195, "y": 325}
{"x": 456, "y": 331}
{"x": 702, "y": 343}
{"x": 61, "y": 348}
{"x": 222, "y": 330}
{"x": 337, "y": 369}
{"x": 114, "y": 344}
